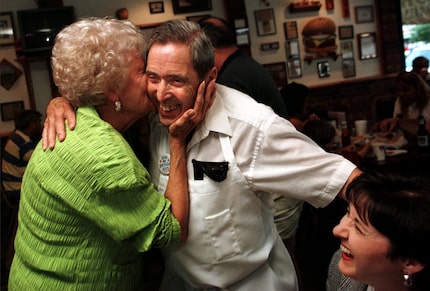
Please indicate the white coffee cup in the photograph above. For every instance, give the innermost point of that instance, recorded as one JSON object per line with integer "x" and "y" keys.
{"x": 379, "y": 151}
{"x": 361, "y": 127}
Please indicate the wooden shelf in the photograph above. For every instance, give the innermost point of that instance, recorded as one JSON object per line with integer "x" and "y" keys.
{"x": 305, "y": 6}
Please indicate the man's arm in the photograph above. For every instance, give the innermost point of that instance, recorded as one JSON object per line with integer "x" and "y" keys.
{"x": 58, "y": 110}
{"x": 177, "y": 186}
{"x": 354, "y": 174}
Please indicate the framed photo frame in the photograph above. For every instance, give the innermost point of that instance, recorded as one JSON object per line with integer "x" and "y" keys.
{"x": 268, "y": 46}
{"x": 367, "y": 45}
{"x": 196, "y": 18}
{"x": 364, "y": 14}
{"x": 8, "y": 74}
{"x": 156, "y": 7}
{"x": 7, "y": 30}
{"x": 347, "y": 50}
{"x": 294, "y": 67}
{"x": 346, "y": 32}
{"x": 183, "y": 6}
{"x": 348, "y": 68}
{"x": 278, "y": 73}
{"x": 323, "y": 69}
{"x": 290, "y": 29}
{"x": 265, "y": 22}
{"x": 292, "y": 49}
{"x": 8, "y": 110}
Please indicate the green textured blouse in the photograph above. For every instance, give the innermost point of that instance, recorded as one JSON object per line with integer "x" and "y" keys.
{"x": 87, "y": 209}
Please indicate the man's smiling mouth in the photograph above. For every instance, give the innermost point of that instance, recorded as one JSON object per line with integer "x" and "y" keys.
{"x": 168, "y": 108}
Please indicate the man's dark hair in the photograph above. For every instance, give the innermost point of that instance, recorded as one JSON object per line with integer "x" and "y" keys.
{"x": 220, "y": 35}
{"x": 24, "y": 118}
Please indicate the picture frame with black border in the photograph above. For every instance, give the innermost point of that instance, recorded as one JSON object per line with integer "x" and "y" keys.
{"x": 292, "y": 49}
{"x": 346, "y": 32}
{"x": 364, "y": 14}
{"x": 268, "y": 46}
{"x": 156, "y": 7}
{"x": 183, "y": 6}
{"x": 294, "y": 67}
{"x": 265, "y": 22}
{"x": 348, "y": 68}
{"x": 10, "y": 109}
{"x": 367, "y": 45}
{"x": 278, "y": 73}
{"x": 347, "y": 49}
{"x": 323, "y": 69}
{"x": 290, "y": 29}
{"x": 7, "y": 29}
{"x": 9, "y": 74}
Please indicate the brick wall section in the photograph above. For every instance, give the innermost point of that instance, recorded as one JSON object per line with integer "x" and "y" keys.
{"x": 356, "y": 98}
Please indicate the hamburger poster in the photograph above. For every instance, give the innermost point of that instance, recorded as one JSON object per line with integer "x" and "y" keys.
{"x": 319, "y": 37}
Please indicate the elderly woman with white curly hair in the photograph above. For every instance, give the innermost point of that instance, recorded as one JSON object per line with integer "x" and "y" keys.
{"x": 88, "y": 208}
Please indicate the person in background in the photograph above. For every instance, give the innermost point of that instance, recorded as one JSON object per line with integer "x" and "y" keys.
{"x": 413, "y": 96}
{"x": 88, "y": 208}
{"x": 122, "y": 13}
{"x": 384, "y": 236}
{"x": 295, "y": 95}
{"x": 240, "y": 154}
{"x": 420, "y": 65}
{"x": 18, "y": 150}
{"x": 238, "y": 70}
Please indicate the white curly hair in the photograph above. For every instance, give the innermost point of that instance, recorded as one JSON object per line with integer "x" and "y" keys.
{"x": 91, "y": 57}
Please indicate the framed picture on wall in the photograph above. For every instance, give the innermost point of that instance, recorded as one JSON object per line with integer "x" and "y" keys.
{"x": 348, "y": 68}
{"x": 364, "y": 14}
{"x": 8, "y": 74}
{"x": 323, "y": 69}
{"x": 187, "y": 6}
{"x": 290, "y": 29}
{"x": 8, "y": 110}
{"x": 7, "y": 32}
{"x": 265, "y": 21}
{"x": 294, "y": 67}
{"x": 156, "y": 7}
{"x": 367, "y": 45}
{"x": 347, "y": 50}
{"x": 346, "y": 32}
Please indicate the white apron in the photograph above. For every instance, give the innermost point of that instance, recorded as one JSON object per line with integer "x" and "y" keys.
{"x": 232, "y": 240}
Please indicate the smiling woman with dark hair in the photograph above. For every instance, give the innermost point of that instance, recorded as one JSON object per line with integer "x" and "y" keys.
{"x": 385, "y": 235}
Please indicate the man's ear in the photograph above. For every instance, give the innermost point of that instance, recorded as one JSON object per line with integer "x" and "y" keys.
{"x": 412, "y": 266}
{"x": 211, "y": 75}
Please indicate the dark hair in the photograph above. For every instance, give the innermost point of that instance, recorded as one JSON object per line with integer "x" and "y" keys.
{"x": 190, "y": 34}
{"x": 418, "y": 63}
{"x": 415, "y": 80}
{"x": 220, "y": 32}
{"x": 398, "y": 207}
{"x": 295, "y": 95}
{"x": 24, "y": 118}
{"x": 320, "y": 131}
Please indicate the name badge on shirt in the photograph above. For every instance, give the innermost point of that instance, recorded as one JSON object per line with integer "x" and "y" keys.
{"x": 164, "y": 164}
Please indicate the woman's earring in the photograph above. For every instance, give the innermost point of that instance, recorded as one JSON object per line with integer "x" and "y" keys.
{"x": 407, "y": 280}
{"x": 118, "y": 106}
